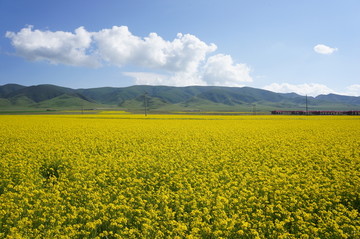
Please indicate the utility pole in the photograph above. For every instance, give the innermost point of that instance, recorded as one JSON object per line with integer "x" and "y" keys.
{"x": 254, "y": 109}
{"x": 307, "y": 109}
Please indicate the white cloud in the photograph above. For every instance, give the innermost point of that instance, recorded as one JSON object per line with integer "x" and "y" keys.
{"x": 184, "y": 59}
{"x": 177, "y": 79}
{"x": 147, "y": 78}
{"x": 353, "y": 90}
{"x": 186, "y": 78}
{"x": 56, "y": 47}
{"x": 218, "y": 70}
{"x": 323, "y": 49}
{"x": 311, "y": 89}
{"x": 221, "y": 70}
{"x": 120, "y": 47}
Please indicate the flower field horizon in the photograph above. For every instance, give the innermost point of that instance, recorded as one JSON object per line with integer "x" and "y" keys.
{"x": 179, "y": 176}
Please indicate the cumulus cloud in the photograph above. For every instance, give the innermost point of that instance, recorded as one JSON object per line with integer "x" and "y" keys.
{"x": 311, "y": 89}
{"x": 218, "y": 70}
{"x": 186, "y": 78}
{"x": 353, "y": 90}
{"x": 56, "y": 47}
{"x": 147, "y": 78}
{"x": 323, "y": 49}
{"x": 119, "y": 46}
{"x": 221, "y": 70}
{"x": 177, "y": 79}
{"x": 185, "y": 59}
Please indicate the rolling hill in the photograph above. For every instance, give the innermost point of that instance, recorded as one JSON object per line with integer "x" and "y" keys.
{"x": 42, "y": 97}
{"x": 167, "y": 98}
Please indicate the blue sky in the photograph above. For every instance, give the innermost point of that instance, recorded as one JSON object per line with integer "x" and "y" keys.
{"x": 309, "y": 47}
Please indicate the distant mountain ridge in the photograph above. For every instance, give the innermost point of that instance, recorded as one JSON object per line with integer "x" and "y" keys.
{"x": 5, "y": 90}
{"x": 168, "y": 98}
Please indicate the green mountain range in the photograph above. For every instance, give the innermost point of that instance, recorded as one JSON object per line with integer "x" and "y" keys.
{"x": 166, "y": 99}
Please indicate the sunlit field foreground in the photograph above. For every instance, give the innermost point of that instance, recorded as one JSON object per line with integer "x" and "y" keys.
{"x": 130, "y": 176}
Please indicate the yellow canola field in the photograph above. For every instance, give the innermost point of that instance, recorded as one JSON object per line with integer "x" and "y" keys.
{"x": 130, "y": 176}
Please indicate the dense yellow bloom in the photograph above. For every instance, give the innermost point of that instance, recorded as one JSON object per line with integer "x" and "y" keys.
{"x": 117, "y": 175}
